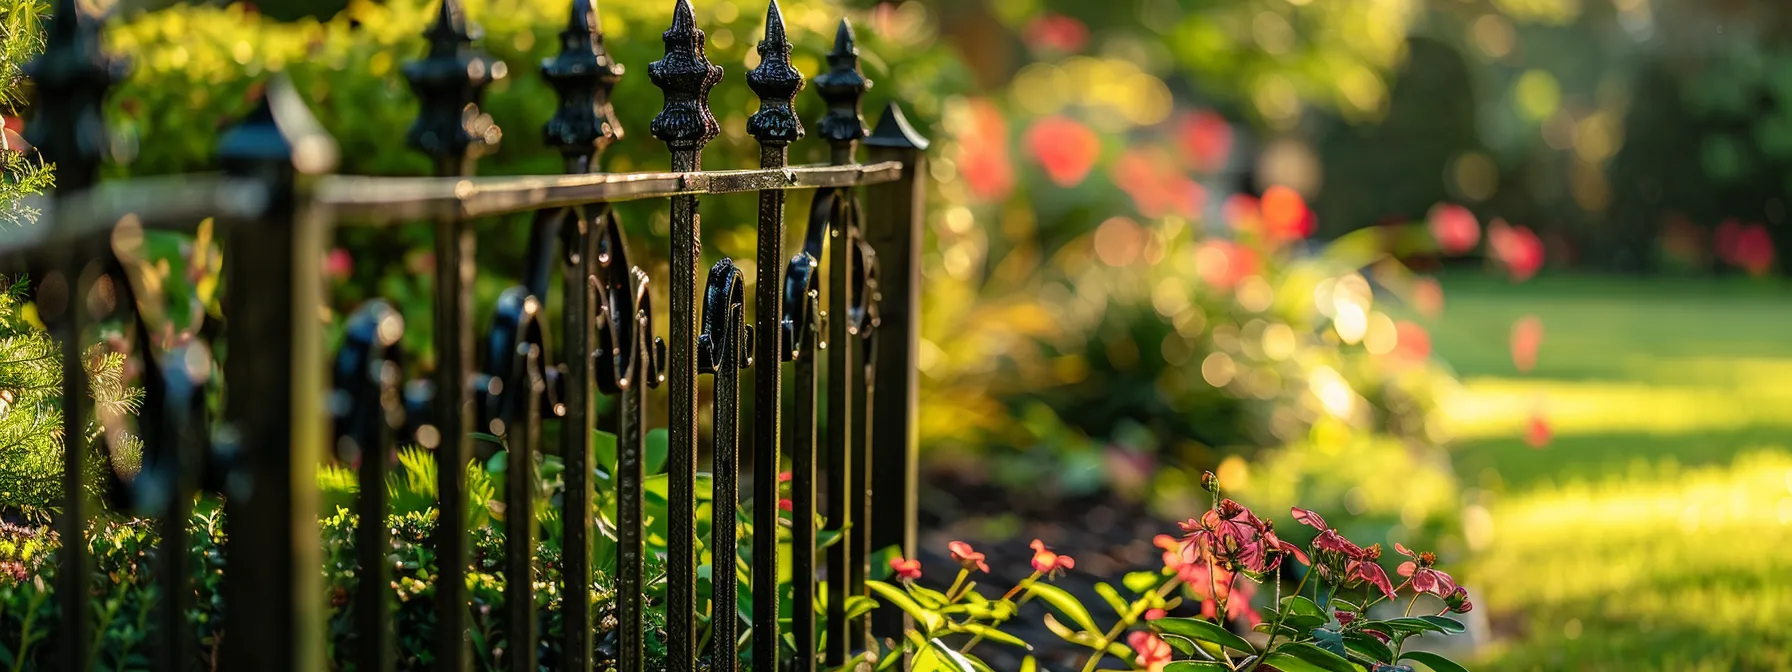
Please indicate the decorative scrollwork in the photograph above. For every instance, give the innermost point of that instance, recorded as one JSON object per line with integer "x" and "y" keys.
{"x": 365, "y": 395}
{"x": 625, "y": 315}
{"x": 724, "y": 312}
{"x": 511, "y": 371}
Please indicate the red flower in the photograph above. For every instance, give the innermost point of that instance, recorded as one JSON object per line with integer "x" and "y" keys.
{"x": 784, "y": 505}
{"x": 1223, "y": 263}
{"x": 1206, "y": 139}
{"x": 1454, "y": 227}
{"x": 1210, "y": 584}
{"x": 1057, "y": 32}
{"x": 1411, "y": 341}
{"x": 784, "y": 477}
{"x": 1749, "y": 248}
{"x": 1049, "y": 563}
{"x": 1065, "y": 148}
{"x": 1179, "y": 558}
{"x": 1367, "y": 569}
{"x": 906, "y": 569}
{"x": 1424, "y": 578}
{"x": 983, "y": 153}
{"x": 1153, "y": 652}
{"x": 1154, "y": 614}
{"x": 1339, "y": 560}
{"x": 1517, "y": 247}
{"x": 1538, "y": 433}
{"x": 966, "y": 557}
{"x": 1286, "y": 216}
{"x": 1229, "y": 534}
{"x": 1157, "y": 186}
{"x": 1527, "y": 337}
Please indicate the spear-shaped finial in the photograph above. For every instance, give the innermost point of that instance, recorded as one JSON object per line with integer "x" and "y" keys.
{"x": 686, "y": 76}
{"x": 583, "y": 74}
{"x": 842, "y": 86}
{"x": 777, "y": 83}
{"x": 449, "y": 81}
{"x": 71, "y": 78}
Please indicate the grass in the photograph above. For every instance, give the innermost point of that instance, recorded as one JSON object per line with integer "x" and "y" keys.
{"x": 1655, "y": 531}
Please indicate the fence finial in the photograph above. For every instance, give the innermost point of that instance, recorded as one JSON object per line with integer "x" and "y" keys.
{"x": 686, "y": 76}
{"x": 583, "y": 75}
{"x": 449, "y": 81}
{"x": 71, "y": 79}
{"x": 843, "y": 86}
{"x": 893, "y": 130}
{"x": 777, "y": 83}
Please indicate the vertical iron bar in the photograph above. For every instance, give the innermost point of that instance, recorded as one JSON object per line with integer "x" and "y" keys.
{"x": 685, "y": 124}
{"x": 842, "y": 87}
{"x": 582, "y": 74}
{"x": 275, "y": 389}
{"x": 803, "y": 425}
{"x": 894, "y": 228}
{"x": 720, "y": 352}
{"x": 864, "y": 367}
{"x": 519, "y": 507}
{"x": 368, "y": 408}
{"x": 775, "y": 125}
{"x": 71, "y": 78}
{"x": 450, "y": 129}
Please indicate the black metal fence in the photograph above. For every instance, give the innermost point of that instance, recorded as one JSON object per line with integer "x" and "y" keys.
{"x": 850, "y": 292}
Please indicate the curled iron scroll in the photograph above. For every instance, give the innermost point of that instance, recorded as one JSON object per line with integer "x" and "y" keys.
{"x": 724, "y": 311}
{"x": 805, "y": 323}
{"x": 365, "y": 395}
{"x": 516, "y": 335}
{"x": 625, "y": 315}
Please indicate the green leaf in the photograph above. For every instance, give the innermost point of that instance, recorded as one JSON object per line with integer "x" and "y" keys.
{"x": 1331, "y": 641}
{"x": 1196, "y": 666}
{"x": 859, "y": 605}
{"x": 994, "y": 635}
{"x": 1065, "y": 604}
{"x": 928, "y": 597}
{"x": 1439, "y": 624}
{"x": 1027, "y": 664}
{"x": 1302, "y": 657}
{"x": 1202, "y": 631}
{"x": 891, "y": 659}
{"x": 880, "y": 561}
{"x": 1368, "y": 646}
{"x": 1182, "y": 645}
{"x": 955, "y": 660}
{"x": 1108, "y": 593}
{"x": 1140, "y": 582}
{"x": 603, "y": 447}
{"x": 1436, "y": 662}
{"x": 1301, "y": 613}
{"x": 930, "y": 621}
{"x": 657, "y": 449}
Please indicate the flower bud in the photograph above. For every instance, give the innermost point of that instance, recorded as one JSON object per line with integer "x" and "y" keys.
{"x": 1210, "y": 482}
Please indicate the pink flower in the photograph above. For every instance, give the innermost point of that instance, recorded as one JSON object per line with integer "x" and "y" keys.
{"x": 1427, "y": 297}
{"x": 1457, "y": 601}
{"x": 1206, "y": 139}
{"x": 1057, "y": 32}
{"x": 966, "y": 557}
{"x": 1065, "y": 148}
{"x": 1344, "y": 617}
{"x": 1154, "y": 614}
{"x": 1048, "y": 563}
{"x": 1424, "y": 578}
{"x": 1153, "y": 652}
{"x": 784, "y": 477}
{"x": 1517, "y": 247}
{"x": 1454, "y": 227}
{"x": 1156, "y": 184}
{"x": 785, "y": 505}
{"x": 1527, "y": 337}
{"x": 1336, "y": 559}
{"x": 1752, "y": 250}
{"x": 1229, "y": 534}
{"x": 1367, "y": 569}
{"x": 338, "y": 264}
{"x": 906, "y": 569}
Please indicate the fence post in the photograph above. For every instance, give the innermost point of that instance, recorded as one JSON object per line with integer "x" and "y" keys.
{"x": 71, "y": 79}
{"x": 449, "y": 81}
{"x": 685, "y": 124}
{"x": 275, "y": 390}
{"x": 894, "y": 226}
{"x": 775, "y": 125}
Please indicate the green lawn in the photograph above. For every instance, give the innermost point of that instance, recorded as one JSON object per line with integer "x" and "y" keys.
{"x": 1655, "y": 531}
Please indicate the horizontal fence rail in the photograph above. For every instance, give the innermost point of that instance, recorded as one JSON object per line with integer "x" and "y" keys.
{"x": 850, "y": 291}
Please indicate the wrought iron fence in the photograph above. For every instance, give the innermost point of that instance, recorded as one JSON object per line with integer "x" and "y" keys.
{"x": 288, "y": 406}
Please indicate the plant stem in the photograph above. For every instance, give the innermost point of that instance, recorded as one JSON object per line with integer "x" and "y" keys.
{"x": 956, "y": 583}
{"x": 1126, "y": 621}
{"x": 1409, "y": 605}
{"x": 1280, "y": 615}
